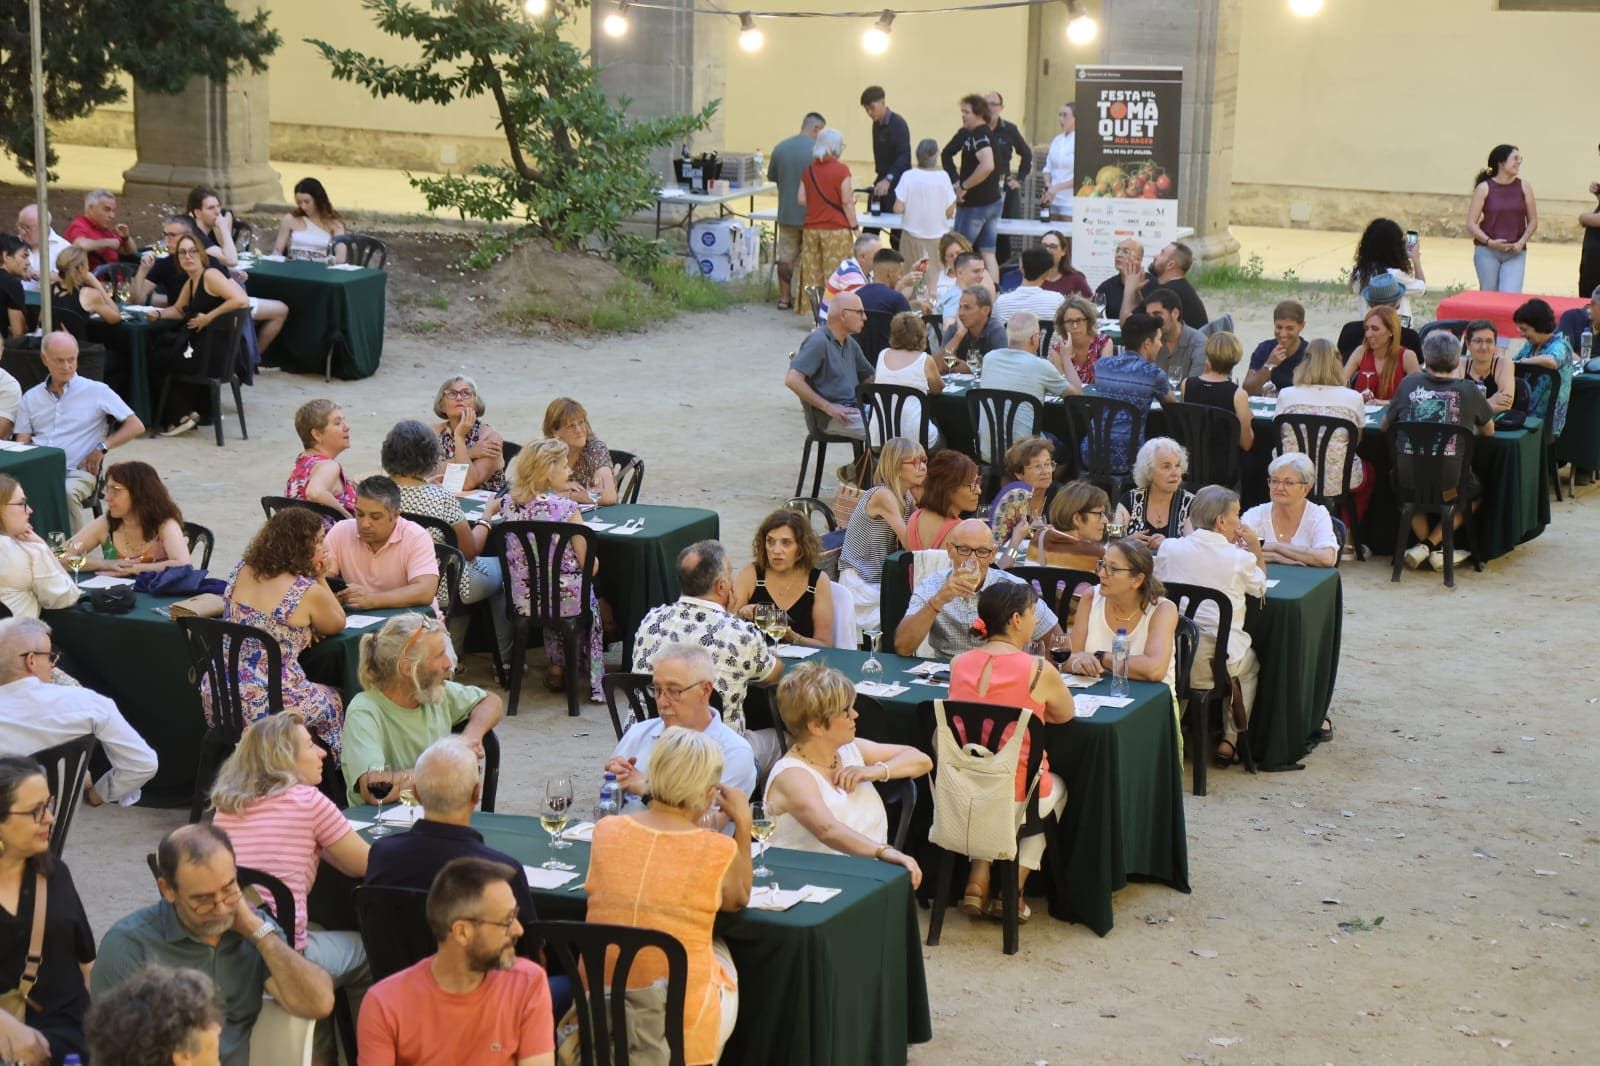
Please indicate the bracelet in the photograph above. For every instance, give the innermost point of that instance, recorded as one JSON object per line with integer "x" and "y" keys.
{"x": 885, "y": 766}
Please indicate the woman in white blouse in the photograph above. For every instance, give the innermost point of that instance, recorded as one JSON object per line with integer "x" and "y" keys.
{"x": 820, "y": 794}
{"x": 1292, "y": 529}
{"x": 31, "y": 578}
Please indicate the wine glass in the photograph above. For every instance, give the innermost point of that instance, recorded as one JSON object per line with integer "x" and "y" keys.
{"x": 594, "y": 494}
{"x": 408, "y": 799}
{"x": 777, "y": 624}
{"x": 761, "y": 827}
{"x": 557, "y": 802}
{"x": 380, "y": 782}
{"x": 73, "y": 556}
{"x": 1060, "y": 649}
{"x": 58, "y": 543}
{"x": 872, "y": 665}
{"x": 760, "y": 614}
{"x": 950, "y": 363}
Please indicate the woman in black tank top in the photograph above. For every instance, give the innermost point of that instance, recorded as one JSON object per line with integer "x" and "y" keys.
{"x": 1215, "y": 387}
{"x": 785, "y": 573}
{"x": 207, "y": 295}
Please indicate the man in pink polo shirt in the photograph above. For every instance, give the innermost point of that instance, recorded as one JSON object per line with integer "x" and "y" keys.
{"x": 385, "y": 560}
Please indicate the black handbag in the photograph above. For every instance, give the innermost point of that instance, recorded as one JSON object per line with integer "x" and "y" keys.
{"x": 117, "y": 599}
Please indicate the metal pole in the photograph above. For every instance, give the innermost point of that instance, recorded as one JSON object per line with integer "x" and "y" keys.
{"x": 40, "y": 168}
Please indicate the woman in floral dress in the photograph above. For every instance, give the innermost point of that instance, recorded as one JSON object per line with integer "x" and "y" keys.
{"x": 588, "y": 458}
{"x": 278, "y": 587}
{"x": 535, "y": 476}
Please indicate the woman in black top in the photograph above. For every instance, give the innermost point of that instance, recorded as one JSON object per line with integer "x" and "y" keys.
{"x": 78, "y": 292}
{"x": 785, "y": 573}
{"x": 1214, "y": 387}
{"x": 53, "y": 1026}
{"x": 207, "y": 295}
{"x": 1485, "y": 365}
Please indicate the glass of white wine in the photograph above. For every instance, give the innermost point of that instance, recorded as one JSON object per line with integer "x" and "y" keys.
{"x": 557, "y": 804}
{"x": 872, "y": 665}
{"x": 761, "y": 827}
{"x": 408, "y": 800}
{"x": 777, "y": 624}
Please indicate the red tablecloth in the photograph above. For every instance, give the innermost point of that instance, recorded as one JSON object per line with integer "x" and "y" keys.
{"x": 1497, "y": 307}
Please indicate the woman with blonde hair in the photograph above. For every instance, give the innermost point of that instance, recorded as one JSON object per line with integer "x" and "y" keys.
{"x": 463, "y": 432}
{"x": 79, "y": 290}
{"x": 830, "y": 202}
{"x": 1375, "y": 368}
{"x": 1214, "y": 386}
{"x": 820, "y": 793}
{"x": 535, "y": 479}
{"x": 877, "y": 526}
{"x": 1319, "y": 389}
{"x": 633, "y": 858}
{"x": 588, "y": 458}
{"x": 267, "y": 801}
{"x": 785, "y": 575}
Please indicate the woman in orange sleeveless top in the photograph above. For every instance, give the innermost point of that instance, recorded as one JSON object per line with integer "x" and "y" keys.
{"x": 657, "y": 869}
{"x": 1001, "y": 672}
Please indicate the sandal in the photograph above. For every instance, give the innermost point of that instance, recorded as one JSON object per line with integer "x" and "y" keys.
{"x": 786, "y": 305}
{"x": 975, "y": 900}
{"x": 997, "y": 911}
{"x": 1228, "y": 759}
{"x": 1325, "y": 734}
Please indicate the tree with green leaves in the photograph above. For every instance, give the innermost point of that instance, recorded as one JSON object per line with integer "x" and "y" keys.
{"x": 576, "y": 165}
{"x": 161, "y": 44}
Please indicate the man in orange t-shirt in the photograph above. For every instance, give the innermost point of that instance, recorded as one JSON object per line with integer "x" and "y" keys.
{"x": 474, "y": 1002}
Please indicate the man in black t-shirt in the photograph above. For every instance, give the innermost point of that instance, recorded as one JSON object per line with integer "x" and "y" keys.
{"x": 977, "y": 183}
{"x": 882, "y": 299}
{"x": 158, "y": 281}
{"x": 13, "y": 302}
{"x": 1129, "y": 272}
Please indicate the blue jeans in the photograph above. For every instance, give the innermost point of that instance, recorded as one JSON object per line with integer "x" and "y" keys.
{"x": 1499, "y": 271}
{"x": 976, "y": 224}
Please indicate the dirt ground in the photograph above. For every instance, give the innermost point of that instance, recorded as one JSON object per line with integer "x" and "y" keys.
{"x": 1457, "y": 802}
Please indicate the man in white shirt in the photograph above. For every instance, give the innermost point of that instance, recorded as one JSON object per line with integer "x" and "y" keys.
{"x": 1221, "y": 553}
{"x": 1058, "y": 166}
{"x": 1031, "y": 295}
{"x": 1018, "y": 368}
{"x": 36, "y": 714}
{"x": 69, "y": 412}
{"x": 28, "y": 230}
{"x": 681, "y": 680}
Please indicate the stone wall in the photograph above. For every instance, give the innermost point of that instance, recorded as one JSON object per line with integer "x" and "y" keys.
{"x": 1305, "y": 207}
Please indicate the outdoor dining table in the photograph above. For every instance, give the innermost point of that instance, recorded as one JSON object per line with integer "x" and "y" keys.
{"x": 139, "y": 659}
{"x": 834, "y": 982}
{"x": 1296, "y": 630}
{"x": 328, "y": 305}
{"x": 1124, "y": 818}
{"x": 1579, "y": 442}
{"x": 42, "y": 473}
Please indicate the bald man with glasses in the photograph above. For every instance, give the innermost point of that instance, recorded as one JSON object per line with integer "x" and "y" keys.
{"x": 945, "y": 604}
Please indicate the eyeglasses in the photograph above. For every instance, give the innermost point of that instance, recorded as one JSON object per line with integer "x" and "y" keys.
{"x": 505, "y": 926}
{"x": 1099, "y": 511}
{"x": 460, "y": 394}
{"x": 217, "y": 900}
{"x": 24, "y": 504}
{"x": 1041, "y": 468}
{"x": 971, "y": 553}
{"x": 40, "y": 814}
{"x": 53, "y": 656}
{"x": 1075, "y": 320}
{"x": 672, "y": 692}
{"x": 853, "y": 311}
{"x": 429, "y": 625}
{"x": 1106, "y": 568}
{"x": 976, "y": 484}
{"x": 187, "y": 253}
{"x": 1283, "y": 483}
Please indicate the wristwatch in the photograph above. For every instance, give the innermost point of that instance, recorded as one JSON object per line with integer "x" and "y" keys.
{"x": 264, "y": 930}
{"x": 101, "y": 448}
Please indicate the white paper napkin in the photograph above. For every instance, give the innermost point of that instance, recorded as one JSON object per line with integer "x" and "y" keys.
{"x": 539, "y": 877}
{"x": 1087, "y": 703}
{"x": 104, "y": 581}
{"x": 345, "y": 266}
{"x": 879, "y": 689}
{"x": 929, "y": 669}
{"x": 768, "y": 898}
{"x": 624, "y": 531}
{"x": 1272, "y": 582}
{"x": 1078, "y": 680}
{"x": 793, "y": 651}
{"x": 583, "y": 831}
{"x": 361, "y": 621}
{"x": 600, "y": 527}
{"x": 401, "y": 815}
{"x": 16, "y": 446}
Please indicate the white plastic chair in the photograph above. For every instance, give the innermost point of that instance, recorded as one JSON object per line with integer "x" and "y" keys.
{"x": 280, "y": 1038}
{"x": 846, "y": 634}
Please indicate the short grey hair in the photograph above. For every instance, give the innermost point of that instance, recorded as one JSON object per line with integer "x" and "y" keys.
{"x": 1021, "y": 327}
{"x": 1299, "y": 462}
{"x": 980, "y": 294}
{"x": 444, "y": 387}
{"x": 1210, "y": 504}
{"x": 1144, "y": 465}
{"x": 380, "y": 489}
{"x": 830, "y": 142}
{"x": 695, "y": 658}
{"x": 927, "y": 152}
{"x": 446, "y": 775}
{"x": 410, "y": 450}
{"x": 16, "y": 634}
{"x": 1441, "y": 351}
{"x": 700, "y": 566}
{"x": 866, "y": 240}
{"x": 94, "y": 196}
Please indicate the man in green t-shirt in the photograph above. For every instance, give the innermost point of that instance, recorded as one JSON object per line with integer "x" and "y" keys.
{"x": 407, "y": 702}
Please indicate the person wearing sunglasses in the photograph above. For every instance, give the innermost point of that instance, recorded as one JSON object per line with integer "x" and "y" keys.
{"x": 680, "y": 684}
{"x": 945, "y": 604}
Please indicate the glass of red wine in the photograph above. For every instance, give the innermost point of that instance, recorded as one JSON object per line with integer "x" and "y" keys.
{"x": 1060, "y": 650}
{"x": 380, "y": 783}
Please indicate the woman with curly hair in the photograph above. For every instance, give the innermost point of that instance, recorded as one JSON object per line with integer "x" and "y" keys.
{"x": 279, "y": 586}
{"x": 161, "y": 1016}
{"x": 142, "y": 528}
{"x": 1382, "y": 249}
{"x": 785, "y": 574}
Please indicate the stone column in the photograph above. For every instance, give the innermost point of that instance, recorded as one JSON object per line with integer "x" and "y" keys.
{"x": 213, "y": 133}
{"x": 1202, "y": 37}
{"x": 669, "y": 62}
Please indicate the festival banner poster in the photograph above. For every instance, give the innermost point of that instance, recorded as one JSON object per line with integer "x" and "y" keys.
{"x": 1126, "y": 176}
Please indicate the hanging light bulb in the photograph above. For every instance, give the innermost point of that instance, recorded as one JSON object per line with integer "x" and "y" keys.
{"x": 1081, "y": 26}
{"x": 1306, "y": 8}
{"x": 536, "y": 8}
{"x": 750, "y": 38}
{"x": 876, "y": 39}
{"x": 616, "y": 23}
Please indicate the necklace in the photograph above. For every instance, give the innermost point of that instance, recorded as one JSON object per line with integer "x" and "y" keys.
{"x": 1116, "y": 615}
{"x": 1279, "y": 529}
{"x": 829, "y": 768}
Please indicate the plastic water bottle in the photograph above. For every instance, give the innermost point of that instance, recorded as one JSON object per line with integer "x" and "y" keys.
{"x": 1119, "y": 664}
{"x": 72, "y": 1059}
{"x": 610, "y": 801}
{"x": 761, "y": 169}
{"x": 1586, "y": 344}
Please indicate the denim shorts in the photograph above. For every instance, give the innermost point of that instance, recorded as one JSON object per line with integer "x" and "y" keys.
{"x": 977, "y": 224}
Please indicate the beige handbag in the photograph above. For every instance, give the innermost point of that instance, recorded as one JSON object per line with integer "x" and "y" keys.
{"x": 16, "y": 1002}
{"x": 205, "y": 605}
{"x": 975, "y": 812}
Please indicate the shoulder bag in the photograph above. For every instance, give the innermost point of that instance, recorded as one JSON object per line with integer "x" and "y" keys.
{"x": 975, "y": 812}
{"x": 17, "y": 1001}
{"x": 854, "y": 482}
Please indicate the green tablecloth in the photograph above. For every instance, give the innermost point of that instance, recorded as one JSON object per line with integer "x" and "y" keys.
{"x": 837, "y": 982}
{"x": 344, "y": 308}
{"x": 1580, "y": 438}
{"x": 336, "y": 660}
{"x": 139, "y": 659}
{"x": 42, "y": 472}
{"x": 1296, "y": 634}
{"x": 1124, "y": 816}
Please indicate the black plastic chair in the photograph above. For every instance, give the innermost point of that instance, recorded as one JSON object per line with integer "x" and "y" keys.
{"x": 1313, "y": 437}
{"x": 1055, "y": 585}
{"x": 1211, "y": 436}
{"x": 817, "y": 435}
{"x": 543, "y": 545}
{"x": 1437, "y": 459}
{"x": 394, "y": 927}
{"x": 984, "y": 723}
{"x": 831, "y": 536}
{"x": 1456, "y": 327}
{"x": 273, "y": 504}
{"x": 217, "y": 350}
{"x": 491, "y": 769}
{"x": 994, "y": 423}
{"x": 360, "y": 249}
{"x": 1543, "y": 385}
{"x": 628, "y": 469}
{"x": 453, "y": 582}
{"x": 885, "y": 415}
{"x": 201, "y": 538}
{"x": 814, "y": 301}
{"x": 635, "y": 689}
{"x": 1341, "y": 533}
{"x": 587, "y": 948}
{"x": 64, "y": 768}
{"x": 900, "y": 794}
{"x": 1094, "y": 422}
{"x": 215, "y": 648}
{"x": 1188, "y": 599}
{"x": 72, "y": 321}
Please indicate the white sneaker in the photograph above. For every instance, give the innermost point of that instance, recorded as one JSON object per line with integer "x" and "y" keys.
{"x": 1437, "y": 558}
{"x": 1416, "y": 555}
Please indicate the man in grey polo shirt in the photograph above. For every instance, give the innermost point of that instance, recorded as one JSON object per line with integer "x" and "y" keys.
{"x": 829, "y": 368}
{"x": 1183, "y": 348}
{"x": 944, "y": 606}
{"x": 204, "y": 923}
{"x": 1018, "y": 368}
